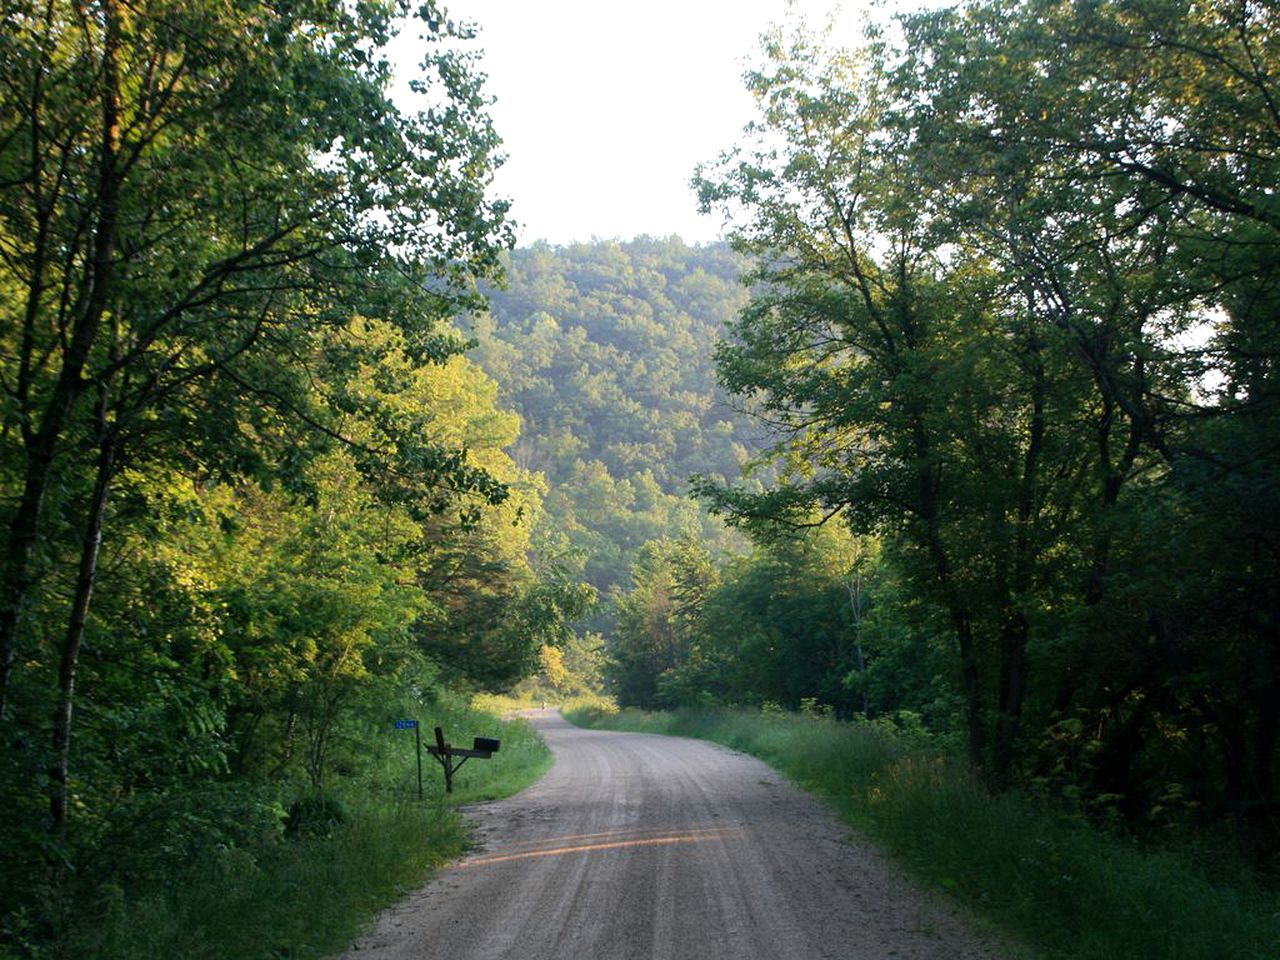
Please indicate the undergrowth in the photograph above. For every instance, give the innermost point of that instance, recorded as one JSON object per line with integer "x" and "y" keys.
{"x": 326, "y": 862}
{"x": 1064, "y": 888}
{"x": 503, "y": 704}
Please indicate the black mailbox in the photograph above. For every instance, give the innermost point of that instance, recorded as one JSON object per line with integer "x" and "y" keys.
{"x": 487, "y": 744}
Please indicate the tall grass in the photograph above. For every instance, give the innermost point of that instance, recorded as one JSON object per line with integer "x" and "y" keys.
{"x": 1064, "y": 888}
{"x": 306, "y": 892}
{"x": 506, "y": 704}
{"x": 304, "y": 898}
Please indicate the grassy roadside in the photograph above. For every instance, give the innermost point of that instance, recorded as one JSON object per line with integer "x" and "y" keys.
{"x": 502, "y": 705}
{"x": 1065, "y": 889}
{"x": 306, "y": 892}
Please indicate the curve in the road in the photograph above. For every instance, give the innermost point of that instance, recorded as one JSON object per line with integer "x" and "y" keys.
{"x": 639, "y": 846}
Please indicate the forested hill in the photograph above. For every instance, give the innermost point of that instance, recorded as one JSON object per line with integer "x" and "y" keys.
{"x": 607, "y": 351}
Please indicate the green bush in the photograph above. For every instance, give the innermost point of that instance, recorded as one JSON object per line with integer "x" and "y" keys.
{"x": 316, "y": 815}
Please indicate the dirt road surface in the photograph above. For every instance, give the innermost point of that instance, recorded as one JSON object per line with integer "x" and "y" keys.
{"x": 640, "y": 846}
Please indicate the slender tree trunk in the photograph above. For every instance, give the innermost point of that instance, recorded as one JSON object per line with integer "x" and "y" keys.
{"x": 854, "y": 585}
{"x": 24, "y": 528}
{"x": 957, "y": 607}
{"x": 330, "y": 705}
{"x": 1013, "y": 661}
{"x": 289, "y": 735}
{"x": 1015, "y": 634}
{"x": 970, "y": 677}
{"x": 242, "y": 734}
{"x": 86, "y": 577}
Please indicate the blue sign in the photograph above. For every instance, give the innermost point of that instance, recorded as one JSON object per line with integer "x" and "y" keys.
{"x": 406, "y": 724}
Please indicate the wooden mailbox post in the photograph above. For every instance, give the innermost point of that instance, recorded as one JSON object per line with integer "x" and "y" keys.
{"x": 451, "y": 758}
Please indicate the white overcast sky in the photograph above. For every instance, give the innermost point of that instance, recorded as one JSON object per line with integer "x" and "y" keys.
{"x": 606, "y": 106}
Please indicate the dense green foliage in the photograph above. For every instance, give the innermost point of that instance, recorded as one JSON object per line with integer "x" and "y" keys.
{"x": 321, "y": 866}
{"x": 1052, "y": 884}
{"x": 773, "y": 626}
{"x": 606, "y": 351}
{"x": 993, "y": 428}
{"x": 1013, "y": 325}
{"x": 255, "y": 504}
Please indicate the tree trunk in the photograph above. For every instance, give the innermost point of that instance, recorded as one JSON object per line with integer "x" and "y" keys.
{"x": 24, "y": 529}
{"x": 961, "y": 616}
{"x": 1013, "y": 660}
{"x": 1015, "y": 633}
{"x": 970, "y": 677}
{"x": 59, "y": 775}
{"x": 854, "y": 585}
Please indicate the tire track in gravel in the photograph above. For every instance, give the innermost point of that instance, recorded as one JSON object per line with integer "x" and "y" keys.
{"x": 663, "y": 848}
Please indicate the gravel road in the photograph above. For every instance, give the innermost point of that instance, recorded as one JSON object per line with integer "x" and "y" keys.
{"x": 640, "y": 846}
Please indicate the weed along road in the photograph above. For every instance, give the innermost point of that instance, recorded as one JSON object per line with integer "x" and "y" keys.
{"x": 639, "y": 846}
